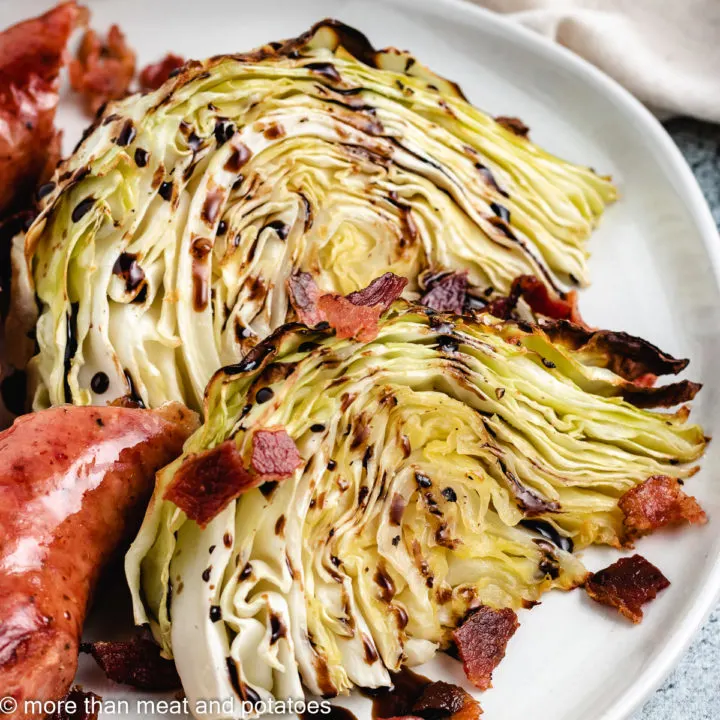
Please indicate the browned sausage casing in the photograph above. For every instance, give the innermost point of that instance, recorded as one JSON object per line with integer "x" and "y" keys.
{"x": 71, "y": 479}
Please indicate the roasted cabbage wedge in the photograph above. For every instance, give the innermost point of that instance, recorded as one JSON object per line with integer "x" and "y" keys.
{"x": 448, "y": 463}
{"x": 163, "y": 250}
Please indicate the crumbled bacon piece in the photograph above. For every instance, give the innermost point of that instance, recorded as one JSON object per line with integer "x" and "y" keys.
{"x": 351, "y": 316}
{"x": 274, "y": 455}
{"x": 78, "y": 705}
{"x": 513, "y": 124}
{"x": 304, "y": 295}
{"x": 207, "y": 482}
{"x": 481, "y": 642}
{"x": 441, "y": 699}
{"x": 447, "y": 293}
{"x": 31, "y": 56}
{"x": 381, "y": 292}
{"x": 154, "y": 75}
{"x": 540, "y": 299}
{"x": 135, "y": 662}
{"x": 657, "y": 502}
{"x": 348, "y": 319}
{"x": 627, "y": 585}
{"x": 102, "y": 71}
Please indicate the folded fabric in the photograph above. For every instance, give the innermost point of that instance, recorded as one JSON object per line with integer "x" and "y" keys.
{"x": 666, "y": 53}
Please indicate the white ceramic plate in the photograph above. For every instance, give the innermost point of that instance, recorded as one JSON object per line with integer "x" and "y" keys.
{"x": 655, "y": 265}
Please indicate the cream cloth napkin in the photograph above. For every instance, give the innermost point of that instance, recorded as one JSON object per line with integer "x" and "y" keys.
{"x": 666, "y": 52}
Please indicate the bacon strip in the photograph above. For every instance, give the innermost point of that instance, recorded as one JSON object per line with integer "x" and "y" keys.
{"x": 154, "y": 75}
{"x": 627, "y": 585}
{"x": 446, "y": 293}
{"x": 135, "y": 662}
{"x": 481, "y": 642}
{"x": 207, "y": 482}
{"x": 352, "y": 316}
{"x": 657, "y": 502}
{"x": 102, "y": 71}
{"x": 31, "y": 56}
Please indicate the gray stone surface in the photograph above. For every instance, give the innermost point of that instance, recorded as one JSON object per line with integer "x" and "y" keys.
{"x": 692, "y": 692}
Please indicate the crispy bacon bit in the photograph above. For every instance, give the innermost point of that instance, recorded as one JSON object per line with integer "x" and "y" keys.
{"x": 356, "y": 315}
{"x": 657, "y": 502}
{"x": 381, "y": 292}
{"x": 352, "y": 316}
{"x": 154, "y": 75}
{"x": 446, "y": 293}
{"x": 540, "y": 299}
{"x": 78, "y": 705}
{"x": 207, "y": 482}
{"x": 31, "y": 56}
{"x": 481, "y": 642}
{"x": 627, "y": 585}
{"x": 513, "y": 124}
{"x": 135, "y": 662}
{"x": 349, "y": 320}
{"x": 440, "y": 699}
{"x": 102, "y": 71}
{"x": 274, "y": 455}
{"x": 304, "y": 295}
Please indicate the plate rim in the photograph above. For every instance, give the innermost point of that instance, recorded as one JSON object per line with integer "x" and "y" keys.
{"x": 662, "y": 662}
{"x": 707, "y": 596}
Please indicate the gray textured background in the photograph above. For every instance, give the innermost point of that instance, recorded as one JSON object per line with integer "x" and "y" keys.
{"x": 692, "y": 692}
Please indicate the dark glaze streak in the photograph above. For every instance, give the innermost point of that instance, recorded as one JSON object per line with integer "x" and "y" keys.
{"x": 501, "y": 211}
{"x": 224, "y": 130}
{"x": 211, "y": 207}
{"x": 127, "y": 268}
{"x": 545, "y": 529}
{"x": 398, "y": 701}
{"x": 336, "y": 713}
{"x": 71, "y": 347}
{"x": 127, "y": 134}
{"x": 385, "y": 583}
{"x": 282, "y": 229}
{"x": 397, "y": 509}
{"x": 132, "y": 391}
{"x": 490, "y": 179}
{"x": 327, "y": 70}
{"x": 238, "y": 158}
{"x": 371, "y": 655}
{"x": 200, "y": 249}
{"x": 277, "y": 629}
{"x": 528, "y": 500}
{"x": 82, "y": 208}
{"x": 308, "y": 212}
{"x": 280, "y": 526}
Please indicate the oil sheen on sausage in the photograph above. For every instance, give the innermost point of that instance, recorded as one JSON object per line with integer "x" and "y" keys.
{"x": 72, "y": 479}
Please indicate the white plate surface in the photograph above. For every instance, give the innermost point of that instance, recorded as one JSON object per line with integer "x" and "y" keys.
{"x": 655, "y": 270}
